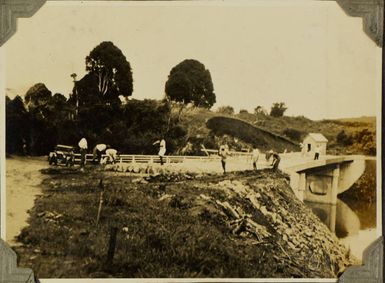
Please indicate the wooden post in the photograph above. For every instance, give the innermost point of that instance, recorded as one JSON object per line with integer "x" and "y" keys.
{"x": 111, "y": 246}
{"x": 100, "y": 200}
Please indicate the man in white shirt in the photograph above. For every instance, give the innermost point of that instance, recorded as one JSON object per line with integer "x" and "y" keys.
{"x": 97, "y": 152}
{"x": 83, "y": 151}
{"x": 255, "y": 157}
{"x": 112, "y": 154}
{"x": 223, "y": 153}
{"x": 162, "y": 149}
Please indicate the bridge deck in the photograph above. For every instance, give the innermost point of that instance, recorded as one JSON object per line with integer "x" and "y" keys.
{"x": 294, "y": 162}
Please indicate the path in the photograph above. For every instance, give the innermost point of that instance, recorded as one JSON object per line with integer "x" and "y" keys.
{"x": 23, "y": 178}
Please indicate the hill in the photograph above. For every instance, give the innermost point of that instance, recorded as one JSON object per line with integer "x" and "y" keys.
{"x": 360, "y": 131}
{"x": 261, "y": 138}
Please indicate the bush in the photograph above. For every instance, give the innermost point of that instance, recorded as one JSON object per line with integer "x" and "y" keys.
{"x": 344, "y": 139}
{"x": 226, "y": 110}
{"x": 293, "y": 134}
{"x": 278, "y": 109}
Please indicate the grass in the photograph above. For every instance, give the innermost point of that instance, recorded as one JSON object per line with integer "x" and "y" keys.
{"x": 166, "y": 229}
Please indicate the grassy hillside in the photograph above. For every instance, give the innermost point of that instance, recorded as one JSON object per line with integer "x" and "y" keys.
{"x": 292, "y": 128}
{"x": 253, "y": 135}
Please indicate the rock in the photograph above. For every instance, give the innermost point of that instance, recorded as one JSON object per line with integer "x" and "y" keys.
{"x": 274, "y": 217}
{"x": 291, "y": 245}
{"x": 165, "y": 197}
{"x": 205, "y": 197}
{"x": 137, "y": 180}
{"x": 309, "y": 234}
{"x": 254, "y": 200}
{"x": 228, "y": 209}
{"x": 263, "y": 210}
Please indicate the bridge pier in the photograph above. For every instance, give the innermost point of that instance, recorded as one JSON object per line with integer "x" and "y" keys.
{"x": 335, "y": 178}
{"x": 301, "y": 186}
{"x": 321, "y": 181}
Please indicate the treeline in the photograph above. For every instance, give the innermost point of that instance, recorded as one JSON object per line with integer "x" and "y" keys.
{"x": 99, "y": 109}
{"x": 360, "y": 141}
{"x": 42, "y": 120}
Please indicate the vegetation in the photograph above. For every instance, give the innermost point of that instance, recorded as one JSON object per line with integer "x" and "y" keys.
{"x": 278, "y": 109}
{"x": 228, "y": 110}
{"x": 359, "y": 141}
{"x": 190, "y": 82}
{"x": 99, "y": 110}
{"x": 250, "y": 134}
{"x": 163, "y": 231}
{"x": 131, "y": 127}
{"x": 107, "y": 65}
{"x": 293, "y": 134}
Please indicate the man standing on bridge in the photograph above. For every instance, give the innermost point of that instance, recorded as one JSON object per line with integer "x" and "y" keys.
{"x": 223, "y": 153}
{"x": 276, "y": 160}
{"x": 97, "y": 152}
{"x": 317, "y": 152}
{"x": 162, "y": 149}
{"x": 255, "y": 157}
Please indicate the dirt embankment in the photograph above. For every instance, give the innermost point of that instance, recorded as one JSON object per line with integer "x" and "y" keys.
{"x": 246, "y": 224}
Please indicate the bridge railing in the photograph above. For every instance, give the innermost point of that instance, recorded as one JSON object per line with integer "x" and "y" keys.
{"x": 138, "y": 158}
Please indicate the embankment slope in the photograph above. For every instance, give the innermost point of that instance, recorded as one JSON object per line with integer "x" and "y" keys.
{"x": 245, "y": 224}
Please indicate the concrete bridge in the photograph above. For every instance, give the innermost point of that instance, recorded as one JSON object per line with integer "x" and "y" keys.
{"x": 318, "y": 181}
{"x": 322, "y": 180}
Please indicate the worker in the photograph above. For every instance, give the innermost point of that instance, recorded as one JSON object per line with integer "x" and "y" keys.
{"x": 162, "y": 149}
{"x": 224, "y": 153}
{"x": 112, "y": 155}
{"x": 97, "y": 152}
{"x": 83, "y": 151}
{"x": 276, "y": 160}
{"x": 255, "y": 157}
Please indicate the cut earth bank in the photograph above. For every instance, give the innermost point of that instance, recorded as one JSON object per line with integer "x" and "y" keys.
{"x": 243, "y": 224}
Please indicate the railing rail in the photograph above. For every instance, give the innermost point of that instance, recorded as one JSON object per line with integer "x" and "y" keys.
{"x": 142, "y": 158}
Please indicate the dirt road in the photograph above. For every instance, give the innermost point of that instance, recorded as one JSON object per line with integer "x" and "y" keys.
{"x": 22, "y": 186}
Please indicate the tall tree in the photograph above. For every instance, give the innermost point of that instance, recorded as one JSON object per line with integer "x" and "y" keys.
{"x": 17, "y": 125}
{"x": 190, "y": 82}
{"x": 37, "y": 100}
{"x": 109, "y": 69}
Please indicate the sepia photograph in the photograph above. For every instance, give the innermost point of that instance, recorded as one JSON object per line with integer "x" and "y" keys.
{"x": 191, "y": 140}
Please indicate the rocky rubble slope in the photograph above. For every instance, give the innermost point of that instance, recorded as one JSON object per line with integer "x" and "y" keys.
{"x": 261, "y": 207}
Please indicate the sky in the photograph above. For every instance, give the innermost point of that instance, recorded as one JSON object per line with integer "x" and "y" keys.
{"x": 308, "y": 54}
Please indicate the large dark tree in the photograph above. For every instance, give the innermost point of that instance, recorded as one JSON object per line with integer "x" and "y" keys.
{"x": 109, "y": 72}
{"x": 17, "y": 125}
{"x": 190, "y": 82}
{"x": 37, "y": 100}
